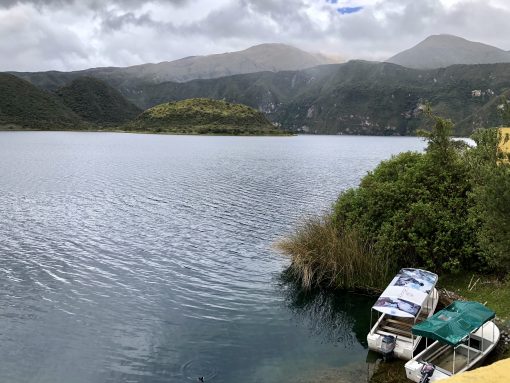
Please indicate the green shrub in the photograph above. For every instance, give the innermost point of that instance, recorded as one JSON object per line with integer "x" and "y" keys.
{"x": 490, "y": 199}
{"x": 436, "y": 210}
{"x": 446, "y": 210}
{"x": 413, "y": 206}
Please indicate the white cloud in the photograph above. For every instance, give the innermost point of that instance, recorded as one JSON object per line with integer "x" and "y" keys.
{"x": 70, "y": 35}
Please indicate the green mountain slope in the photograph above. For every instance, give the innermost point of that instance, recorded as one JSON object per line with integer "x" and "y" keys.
{"x": 203, "y": 116}
{"x": 22, "y": 105}
{"x": 357, "y": 97}
{"x": 96, "y": 102}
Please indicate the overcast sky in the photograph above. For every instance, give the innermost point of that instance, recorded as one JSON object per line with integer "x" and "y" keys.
{"x": 77, "y": 34}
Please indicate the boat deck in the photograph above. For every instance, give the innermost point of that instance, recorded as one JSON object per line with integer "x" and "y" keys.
{"x": 442, "y": 357}
{"x": 400, "y": 326}
{"x": 446, "y": 362}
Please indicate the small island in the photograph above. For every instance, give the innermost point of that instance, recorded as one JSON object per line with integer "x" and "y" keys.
{"x": 203, "y": 116}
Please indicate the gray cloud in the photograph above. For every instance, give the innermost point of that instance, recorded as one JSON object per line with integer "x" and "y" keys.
{"x": 114, "y": 22}
{"x": 72, "y": 34}
{"x": 93, "y": 4}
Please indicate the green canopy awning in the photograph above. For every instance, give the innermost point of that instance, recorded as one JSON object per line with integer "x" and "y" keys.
{"x": 452, "y": 324}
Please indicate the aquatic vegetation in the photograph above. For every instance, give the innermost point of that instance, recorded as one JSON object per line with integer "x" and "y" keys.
{"x": 324, "y": 254}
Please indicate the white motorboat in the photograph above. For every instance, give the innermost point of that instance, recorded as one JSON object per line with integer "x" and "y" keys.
{"x": 464, "y": 334}
{"x": 409, "y": 298}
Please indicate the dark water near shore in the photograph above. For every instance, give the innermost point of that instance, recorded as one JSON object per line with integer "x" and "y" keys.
{"x": 141, "y": 258}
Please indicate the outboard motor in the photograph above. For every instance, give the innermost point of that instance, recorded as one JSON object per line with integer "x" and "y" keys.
{"x": 426, "y": 372}
{"x": 387, "y": 346}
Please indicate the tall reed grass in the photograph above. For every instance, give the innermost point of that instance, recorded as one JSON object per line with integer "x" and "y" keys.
{"x": 323, "y": 254}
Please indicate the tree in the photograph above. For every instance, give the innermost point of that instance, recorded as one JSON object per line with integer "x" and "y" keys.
{"x": 490, "y": 197}
{"x": 414, "y": 207}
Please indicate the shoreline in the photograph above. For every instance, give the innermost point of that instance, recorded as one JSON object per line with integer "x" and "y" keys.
{"x": 108, "y": 130}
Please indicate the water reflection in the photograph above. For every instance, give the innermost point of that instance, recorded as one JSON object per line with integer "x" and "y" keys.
{"x": 337, "y": 317}
{"x": 341, "y": 317}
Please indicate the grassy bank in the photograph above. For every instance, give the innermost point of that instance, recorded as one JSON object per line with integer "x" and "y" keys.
{"x": 487, "y": 289}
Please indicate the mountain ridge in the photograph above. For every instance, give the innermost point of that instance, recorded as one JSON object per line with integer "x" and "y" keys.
{"x": 443, "y": 50}
{"x": 86, "y": 103}
{"x": 97, "y": 102}
{"x": 263, "y": 57}
{"x": 357, "y": 97}
{"x": 22, "y": 105}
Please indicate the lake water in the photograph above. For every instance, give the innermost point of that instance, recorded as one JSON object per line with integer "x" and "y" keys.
{"x": 148, "y": 258}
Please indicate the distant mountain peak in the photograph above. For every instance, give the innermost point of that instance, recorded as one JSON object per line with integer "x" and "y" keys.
{"x": 271, "y": 57}
{"x": 442, "y": 50}
{"x": 444, "y": 36}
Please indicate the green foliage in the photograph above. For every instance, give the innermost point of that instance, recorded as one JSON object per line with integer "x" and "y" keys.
{"x": 446, "y": 210}
{"x": 96, "y": 102}
{"x": 23, "y": 106}
{"x": 203, "y": 116}
{"x": 441, "y": 149}
{"x": 414, "y": 208}
{"x": 490, "y": 198}
{"x": 504, "y": 110}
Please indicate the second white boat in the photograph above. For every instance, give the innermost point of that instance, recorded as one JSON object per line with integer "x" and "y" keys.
{"x": 464, "y": 334}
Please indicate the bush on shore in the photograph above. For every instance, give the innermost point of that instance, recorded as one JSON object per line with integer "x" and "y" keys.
{"x": 445, "y": 210}
{"x": 490, "y": 199}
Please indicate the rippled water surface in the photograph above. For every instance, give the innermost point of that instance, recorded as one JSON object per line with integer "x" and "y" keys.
{"x": 143, "y": 258}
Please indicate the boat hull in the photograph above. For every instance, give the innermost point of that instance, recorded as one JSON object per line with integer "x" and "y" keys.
{"x": 441, "y": 356}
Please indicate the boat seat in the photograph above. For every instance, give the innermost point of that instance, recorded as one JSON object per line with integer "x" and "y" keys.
{"x": 440, "y": 350}
{"x": 400, "y": 323}
{"x": 396, "y": 330}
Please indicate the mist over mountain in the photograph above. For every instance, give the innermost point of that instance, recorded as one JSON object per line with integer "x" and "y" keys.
{"x": 259, "y": 58}
{"x": 358, "y": 97}
{"x": 439, "y": 51}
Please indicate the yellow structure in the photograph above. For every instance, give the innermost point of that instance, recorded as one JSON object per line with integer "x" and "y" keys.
{"x": 504, "y": 144}
{"x": 498, "y": 372}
